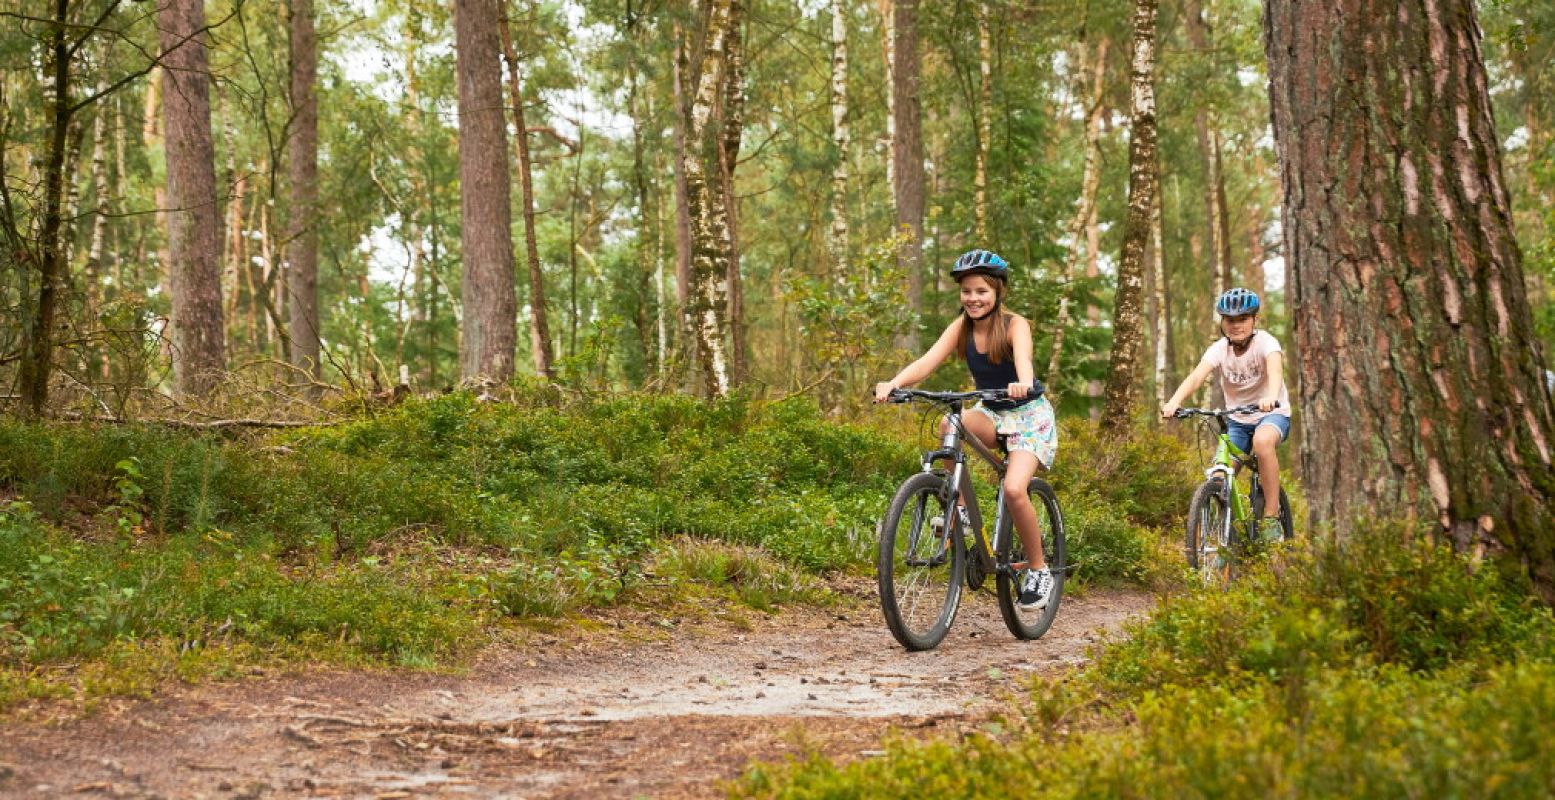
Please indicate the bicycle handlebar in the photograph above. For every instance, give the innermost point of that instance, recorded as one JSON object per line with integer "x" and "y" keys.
{"x": 909, "y": 395}
{"x": 1250, "y": 408}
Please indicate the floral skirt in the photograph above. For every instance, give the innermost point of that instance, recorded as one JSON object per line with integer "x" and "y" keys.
{"x": 1030, "y": 427}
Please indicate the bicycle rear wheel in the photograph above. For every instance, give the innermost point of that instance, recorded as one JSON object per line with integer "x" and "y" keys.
{"x": 1032, "y": 624}
{"x": 919, "y": 568}
{"x": 1287, "y": 524}
{"x": 1209, "y": 547}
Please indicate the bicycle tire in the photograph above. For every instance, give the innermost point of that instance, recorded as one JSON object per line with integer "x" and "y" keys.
{"x": 1287, "y": 524}
{"x": 1030, "y": 625}
{"x": 913, "y": 566}
{"x": 1209, "y": 548}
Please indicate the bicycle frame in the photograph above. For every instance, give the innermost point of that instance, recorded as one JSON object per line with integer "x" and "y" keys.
{"x": 1229, "y": 459}
{"x": 961, "y": 477}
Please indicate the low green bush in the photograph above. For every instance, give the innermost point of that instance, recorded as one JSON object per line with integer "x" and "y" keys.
{"x": 1379, "y": 666}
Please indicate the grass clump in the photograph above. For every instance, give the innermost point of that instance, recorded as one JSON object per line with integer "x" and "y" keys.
{"x": 1380, "y": 666}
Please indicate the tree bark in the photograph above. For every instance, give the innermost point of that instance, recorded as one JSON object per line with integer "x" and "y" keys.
{"x": 709, "y": 302}
{"x": 681, "y": 74}
{"x": 1085, "y": 211}
{"x": 302, "y": 162}
{"x": 38, "y": 351}
{"x": 837, "y": 244}
{"x": 907, "y": 155}
{"x": 984, "y": 123}
{"x": 194, "y": 227}
{"x": 1162, "y": 320}
{"x": 490, "y": 307}
{"x": 732, "y": 124}
{"x": 539, "y": 323}
{"x": 1127, "y": 323}
{"x": 888, "y": 41}
{"x": 1416, "y": 335}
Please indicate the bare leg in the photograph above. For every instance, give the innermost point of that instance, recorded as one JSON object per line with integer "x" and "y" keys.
{"x": 1265, "y": 437}
{"x": 1017, "y": 477}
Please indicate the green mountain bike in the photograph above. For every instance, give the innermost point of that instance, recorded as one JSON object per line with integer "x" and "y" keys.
{"x": 931, "y": 539}
{"x": 1223, "y": 522}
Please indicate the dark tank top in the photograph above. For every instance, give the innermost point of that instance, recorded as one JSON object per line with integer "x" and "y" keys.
{"x": 988, "y": 375}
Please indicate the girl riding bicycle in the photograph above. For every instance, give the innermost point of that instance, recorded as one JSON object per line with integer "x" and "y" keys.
{"x": 1249, "y": 361}
{"x": 997, "y": 347}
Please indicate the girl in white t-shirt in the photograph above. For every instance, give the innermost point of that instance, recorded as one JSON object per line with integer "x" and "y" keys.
{"x": 1250, "y": 374}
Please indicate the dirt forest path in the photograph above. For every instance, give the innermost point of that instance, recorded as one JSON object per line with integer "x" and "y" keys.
{"x": 652, "y": 708}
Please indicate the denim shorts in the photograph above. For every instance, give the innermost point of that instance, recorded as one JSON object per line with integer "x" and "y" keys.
{"x": 1241, "y": 433}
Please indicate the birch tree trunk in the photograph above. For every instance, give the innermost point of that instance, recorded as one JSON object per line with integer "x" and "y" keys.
{"x": 490, "y": 308}
{"x": 1418, "y": 353}
{"x": 984, "y": 123}
{"x": 1085, "y": 210}
{"x": 302, "y": 162}
{"x": 681, "y": 74}
{"x": 194, "y": 227}
{"x": 539, "y": 322}
{"x": 838, "y": 242}
{"x": 907, "y": 155}
{"x": 709, "y": 300}
{"x": 1127, "y": 323}
{"x": 1163, "y": 327}
{"x": 731, "y": 124}
{"x": 888, "y": 40}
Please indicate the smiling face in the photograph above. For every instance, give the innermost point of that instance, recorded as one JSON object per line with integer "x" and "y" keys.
{"x": 979, "y": 295}
{"x": 1238, "y": 329}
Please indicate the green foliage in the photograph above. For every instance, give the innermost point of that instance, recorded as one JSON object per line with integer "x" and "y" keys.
{"x": 1374, "y": 667}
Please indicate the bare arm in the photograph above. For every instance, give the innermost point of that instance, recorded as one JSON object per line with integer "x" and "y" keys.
{"x": 1274, "y": 372}
{"x": 1189, "y": 385}
{"x": 926, "y": 364}
{"x": 1020, "y": 341}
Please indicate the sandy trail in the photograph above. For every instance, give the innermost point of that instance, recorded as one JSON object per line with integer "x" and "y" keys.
{"x": 658, "y": 710}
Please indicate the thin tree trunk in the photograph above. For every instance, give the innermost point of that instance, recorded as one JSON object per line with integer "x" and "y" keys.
{"x": 490, "y": 307}
{"x": 194, "y": 227}
{"x": 1208, "y": 134}
{"x": 95, "y": 266}
{"x": 888, "y": 34}
{"x": 681, "y": 74}
{"x": 1127, "y": 328}
{"x": 984, "y": 123}
{"x": 302, "y": 250}
{"x": 646, "y": 206}
{"x": 838, "y": 242}
{"x": 1162, "y": 320}
{"x": 907, "y": 154}
{"x": 1418, "y": 350}
{"x": 709, "y": 297}
{"x": 539, "y": 324}
{"x": 1085, "y": 211}
{"x": 38, "y": 352}
{"x": 732, "y": 123}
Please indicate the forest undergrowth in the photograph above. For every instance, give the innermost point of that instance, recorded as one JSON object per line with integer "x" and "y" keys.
{"x": 131, "y": 555}
{"x": 1379, "y": 666}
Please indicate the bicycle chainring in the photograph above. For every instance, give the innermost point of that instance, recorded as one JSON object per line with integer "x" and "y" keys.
{"x": 974, "y": 569}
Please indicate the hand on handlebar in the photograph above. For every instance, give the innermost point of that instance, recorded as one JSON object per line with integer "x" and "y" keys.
{"x": 883, "y": 391}
{"x": 1017, "y": 391}
{"x": 1169, "y": 410}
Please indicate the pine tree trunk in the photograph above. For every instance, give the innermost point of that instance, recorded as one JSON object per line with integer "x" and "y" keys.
{"x": 709, "y": 301}
{"x": 681, "y": 74}
{"x": 1127, "y": 323}
{"x": 539, "y": 322}
{"x": 302, "y": 162}
{"x": 194, "y": 227}
{"x": 1419, "y": 357}
{"x": 490, "y": 306}
{"x": 38, "y": 351}
{"x": 907, "y": 155}
{"x": 1085, "y": 211}
{"x": 1208, "y": 132}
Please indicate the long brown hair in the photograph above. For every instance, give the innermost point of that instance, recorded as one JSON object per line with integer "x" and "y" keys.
{"x": 999, "y": 345}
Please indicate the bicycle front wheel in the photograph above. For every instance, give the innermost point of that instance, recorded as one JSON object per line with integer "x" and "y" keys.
{"x": 920, "y": 563}
{"x": 1050, "y": 520}
{"x": 1208, "y": 542}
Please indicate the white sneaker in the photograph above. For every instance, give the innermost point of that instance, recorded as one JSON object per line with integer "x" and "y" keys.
{"x": 1036, "y": 587}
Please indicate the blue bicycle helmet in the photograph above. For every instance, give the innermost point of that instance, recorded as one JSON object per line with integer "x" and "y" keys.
{"x": 1236, "y": 302}
{"x": 980, "y": 262}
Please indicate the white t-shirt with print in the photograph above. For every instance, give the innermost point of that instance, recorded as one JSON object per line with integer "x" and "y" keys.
{"x": 1242, "y": 377}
